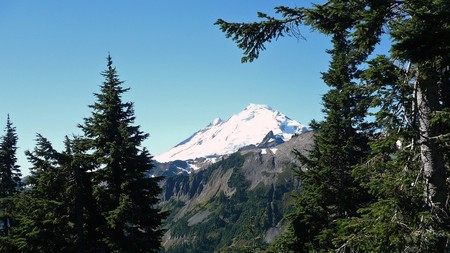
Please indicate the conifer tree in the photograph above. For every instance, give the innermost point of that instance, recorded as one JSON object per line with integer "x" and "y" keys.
{"x": 408, "y": 168}
{"x": 96, "y": 195}
{"x": 10, "y": 176}
{"x": 125, "y": 195}
{"x": 42, "y": 214}
{"x": 329, "y": 192}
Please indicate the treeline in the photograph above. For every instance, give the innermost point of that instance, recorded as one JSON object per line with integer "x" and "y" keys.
{"x": 377, "y": 179}
{"x": 94, "y": 196}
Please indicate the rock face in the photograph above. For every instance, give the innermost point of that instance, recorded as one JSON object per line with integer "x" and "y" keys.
{"x": 270, "y": 140}
{"x": 238, "y": 200}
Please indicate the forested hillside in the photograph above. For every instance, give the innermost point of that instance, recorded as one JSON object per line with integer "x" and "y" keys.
{"x": 234, "y": 205}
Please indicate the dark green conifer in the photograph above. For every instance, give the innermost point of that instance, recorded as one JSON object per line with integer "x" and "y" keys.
{"x": 42, "y": 214}
{"x": 125, "y": 195}
{"x": 407, "y": 171}
{"x": 329, "y": 191}
{"x": 10, "y": 175}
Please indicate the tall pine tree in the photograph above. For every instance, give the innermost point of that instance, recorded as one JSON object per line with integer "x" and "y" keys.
{"x": 408, "y": 169}
{"x": 126, "y": 197}
{"x": 329, "y": 191}
{"x": 10, "y": 175}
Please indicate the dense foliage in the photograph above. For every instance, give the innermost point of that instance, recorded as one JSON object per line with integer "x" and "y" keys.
{"x": 10, "y": 176}
{"x": 95, "y": 196}
{"x": 376, "y": 180}
{"x": 380, "y": 185}
{"x": 125, "y": 196}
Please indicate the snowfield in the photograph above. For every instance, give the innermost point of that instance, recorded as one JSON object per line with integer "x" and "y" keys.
{"x": 225, "y": 137}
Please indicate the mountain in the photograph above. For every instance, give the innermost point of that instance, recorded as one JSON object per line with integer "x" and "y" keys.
{"x": 229, "y": 185}
{"x": 236, "y": 204}
{"x": 249, "y": 127}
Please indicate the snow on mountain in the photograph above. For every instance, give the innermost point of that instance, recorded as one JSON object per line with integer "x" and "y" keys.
{"x": 225, "y": 137}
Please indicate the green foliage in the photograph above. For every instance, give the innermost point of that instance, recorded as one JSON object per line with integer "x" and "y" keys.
{"x": 125, "y": 197}
{"x": 96, "y": 195}
{"x": 10, "y": 175}
{"x": 236, "y": 222}
{"x": 41, "y": 216}
{"x": 251, "y": 37}
{"x": 400, "y": 182}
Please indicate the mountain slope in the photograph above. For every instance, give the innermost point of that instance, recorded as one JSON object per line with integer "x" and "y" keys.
{"x": 234, "y": 204}
{"x": 249, "y": 127}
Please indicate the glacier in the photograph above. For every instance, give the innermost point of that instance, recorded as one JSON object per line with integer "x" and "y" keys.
{"x": 248, "y": 127}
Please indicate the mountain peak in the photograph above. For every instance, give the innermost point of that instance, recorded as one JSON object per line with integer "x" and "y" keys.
{"x": 255, "y": 107}
{"x": 249, "y": 127}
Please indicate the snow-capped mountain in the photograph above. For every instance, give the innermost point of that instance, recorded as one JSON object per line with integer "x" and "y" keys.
{"x": 249, "y": 127}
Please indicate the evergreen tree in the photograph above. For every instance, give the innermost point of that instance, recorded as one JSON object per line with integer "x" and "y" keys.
{"x": 42, "y": 214}
{"x": 409, "y": 181}
{"x": 96, "y": 195}
{"x": 329, "y": 191}
{"x": 125, "y": 195}
{"x": 10, "y": 176}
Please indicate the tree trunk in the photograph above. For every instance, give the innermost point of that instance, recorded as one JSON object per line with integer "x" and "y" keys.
{"x": 432, "y": 156}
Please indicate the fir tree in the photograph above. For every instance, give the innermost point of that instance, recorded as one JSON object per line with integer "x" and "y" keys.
{"x": 42, "y": 214}
{"x": 408, "y": 169}
{"x": 125, "y": 195}
{"x": 10, "y": 176}
{"x": 329, "y": 191}
{"x": 96, "y": 195}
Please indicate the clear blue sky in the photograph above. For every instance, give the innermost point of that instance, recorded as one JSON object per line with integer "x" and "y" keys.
{"x": 181, "y": 69}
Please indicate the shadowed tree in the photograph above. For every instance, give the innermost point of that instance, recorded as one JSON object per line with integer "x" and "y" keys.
{"x": 126, "y": 197}
{"x": 10, "y": 175}
{"x": 412, "y": 108}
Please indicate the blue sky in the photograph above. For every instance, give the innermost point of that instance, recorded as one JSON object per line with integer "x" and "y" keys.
{"x": 181, "y": 69}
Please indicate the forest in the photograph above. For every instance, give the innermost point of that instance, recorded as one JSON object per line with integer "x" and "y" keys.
{"x": 376, "y": 180}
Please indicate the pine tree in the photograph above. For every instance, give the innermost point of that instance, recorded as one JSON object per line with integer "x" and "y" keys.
{"x": 394, "y": 220}
{"x": 10, "y": 176}
{"x": 329, "y": 191}
{"x": 125, "y": 195}
{"x": 411, "y": 103}
{"x": 96, "y": 195}
{"x": 42, "y": 214}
